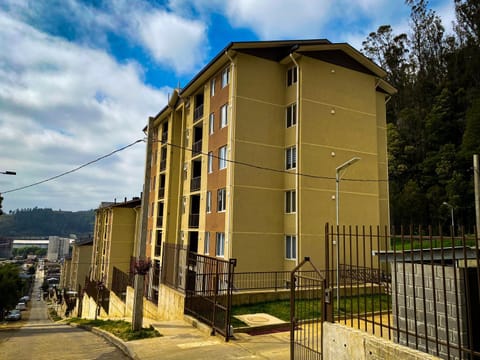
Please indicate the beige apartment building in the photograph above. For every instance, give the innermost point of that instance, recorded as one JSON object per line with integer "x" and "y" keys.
{"x": 244, "y": 157}
{"x": 115, "y": 233}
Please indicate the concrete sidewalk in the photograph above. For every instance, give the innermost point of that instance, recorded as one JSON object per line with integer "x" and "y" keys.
{"x": 181, "y": 340}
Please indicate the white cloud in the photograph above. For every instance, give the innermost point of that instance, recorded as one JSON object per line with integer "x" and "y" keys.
{"x": 62, "y": 106}
{"x": 173, "y": 40}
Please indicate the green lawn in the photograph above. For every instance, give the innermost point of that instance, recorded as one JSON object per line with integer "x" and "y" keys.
{"x": 308, "y": 309}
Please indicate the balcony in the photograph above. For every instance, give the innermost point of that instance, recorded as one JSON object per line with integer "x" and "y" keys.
{"x": 159, "y": 221}
{"x": 163, "y": 164}
{"x": 198, "y": 112}
{"x": 195, "y": 183}
{"x": 193, "y": 221}
{"x": 197, "y": 147}
{"x": 161, "y": 193}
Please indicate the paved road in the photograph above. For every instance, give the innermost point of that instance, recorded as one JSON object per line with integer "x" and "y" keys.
{"x": 37, "y": 337}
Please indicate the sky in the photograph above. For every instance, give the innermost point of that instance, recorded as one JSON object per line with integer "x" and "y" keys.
{"x": 79, "y": 79}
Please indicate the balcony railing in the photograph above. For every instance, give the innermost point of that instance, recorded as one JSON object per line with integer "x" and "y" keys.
{"x": 161, "y": 193}
{"x": 193, "y": 220}
{"x": 159, "y": 221}
{"x": 195, "y": 183}
{"x": 198, "y": 112}
{"x": 163, "y": 164}
{"x": 197, "y": 147}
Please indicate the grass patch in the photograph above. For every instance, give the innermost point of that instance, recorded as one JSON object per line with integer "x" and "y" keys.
{"x": 119, "y": 328}
{"x": 53, "y": 314}
{"x": 309, "y": 309}
{"x": 414, "y": 243}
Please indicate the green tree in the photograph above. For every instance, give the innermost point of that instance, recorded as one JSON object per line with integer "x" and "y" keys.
{"x": 10, "y": 287}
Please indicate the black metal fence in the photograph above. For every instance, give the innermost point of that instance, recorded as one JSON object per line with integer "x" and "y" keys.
{"x": 208, "y": 295}
{"x": 173, "y": 266}
{"x": 120, "y": 281}
{"x": 99, "y": 292}
{"x": 414, "y": 288}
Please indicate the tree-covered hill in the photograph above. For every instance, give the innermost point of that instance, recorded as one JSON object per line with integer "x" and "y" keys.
{"x": 434, "y": 120}
{"x": 45, "y": 222}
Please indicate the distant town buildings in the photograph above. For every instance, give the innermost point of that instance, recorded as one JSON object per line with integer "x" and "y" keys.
{"x": 58, "y": 248}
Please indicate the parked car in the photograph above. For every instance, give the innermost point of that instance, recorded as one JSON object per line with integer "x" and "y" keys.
{"x": 25, "y": 299}
{"x": 21, "y": 306}
{"x": 13, "y": 315}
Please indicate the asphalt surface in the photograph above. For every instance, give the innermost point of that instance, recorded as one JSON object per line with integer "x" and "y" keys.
{"x": 37, "y": 337}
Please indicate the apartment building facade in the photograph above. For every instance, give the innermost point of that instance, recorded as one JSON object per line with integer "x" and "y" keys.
{"x": 244, "y": 157}
{"x": 115, "y": 236}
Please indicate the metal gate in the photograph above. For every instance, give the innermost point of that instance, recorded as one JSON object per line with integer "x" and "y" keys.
{"x": 208, "y": 292}
{"x": 307, "y": 306}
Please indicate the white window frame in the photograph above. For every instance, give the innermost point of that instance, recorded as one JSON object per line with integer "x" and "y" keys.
{"x": 222, "y": 157}
{"x": 292, "y": 76}
{"x": 212, "y": 87}
{"x": 208, "y": 205}
{"x": 210, "y": 162}
{"x": 290, "y": 202}
{"x": 290, "y": 247}
{"x": 291, "y": 158}
{"x": 220, "y": 244}
{"x": 211, "y": 123}
{"x": 225, "y": 77}
{"x": 291, "y": 115}
{"x": 206, "y": 243}
{"x": 221, "y": 200}
{"x": 223, "y": 116}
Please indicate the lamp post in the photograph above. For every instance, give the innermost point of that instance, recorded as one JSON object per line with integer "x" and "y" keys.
{"x": 8, "y": 172}
{"x": 339, "y": 171}
{"x": 451, "y": 216}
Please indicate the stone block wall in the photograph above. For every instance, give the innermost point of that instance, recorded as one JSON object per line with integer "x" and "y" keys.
{"x": 429, "y": 302}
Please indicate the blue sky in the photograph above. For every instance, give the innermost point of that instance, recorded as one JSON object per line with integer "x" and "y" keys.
{"x": 79, "y": 79}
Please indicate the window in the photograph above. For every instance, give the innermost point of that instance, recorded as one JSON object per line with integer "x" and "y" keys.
{"x": 290, "y": 247}
{"x": 220, "y": 245}
{"x": 290, "y": 201}
{"x": 225, "y": 77}
{"x": 206, "y": 243}
{"x": 224, "y": 116}
{"x": 291, "y": 158}
{"x": 209, "y": 202}
{"x": 210, "y": 162}
{"x": 212, "y": 87}
{"x": 211, "y": 123}
{"x": 222, "y": 157}
{"x": 291, "y": 115}
{"x": 221, "y": 200}
{"x": 291, "y": 76}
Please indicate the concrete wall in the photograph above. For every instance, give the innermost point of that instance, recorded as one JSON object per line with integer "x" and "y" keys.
{"x": 412, "y": 293}
{"x": 171, "y": 303}
{"x": 345, "y": 343}
{"x": 116, "y": 307}
{"x": 89, "y": 307}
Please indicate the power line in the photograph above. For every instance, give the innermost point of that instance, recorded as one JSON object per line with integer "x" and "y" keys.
{"x": 268, "y": 168}
{"x": 74, "y": 169}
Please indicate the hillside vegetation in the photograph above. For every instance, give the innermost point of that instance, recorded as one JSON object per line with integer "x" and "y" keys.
{"x": 434, "y": 120}
{"x": 45, "y": 222}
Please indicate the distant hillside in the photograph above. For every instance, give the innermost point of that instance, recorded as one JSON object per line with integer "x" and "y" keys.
{"x": 44, "y": 222}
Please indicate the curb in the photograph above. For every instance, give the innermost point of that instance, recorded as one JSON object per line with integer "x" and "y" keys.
{"x": 112, "y": 339}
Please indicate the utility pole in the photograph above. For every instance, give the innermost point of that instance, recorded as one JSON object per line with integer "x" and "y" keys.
{"x": 476, "y": 177}
{"x": 137, "y": 315}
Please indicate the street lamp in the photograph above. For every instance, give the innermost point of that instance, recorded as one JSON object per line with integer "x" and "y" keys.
{"x": 451, "y": 216}
{"x": 339, "y": 171}
{"x": 8, "y": 172}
